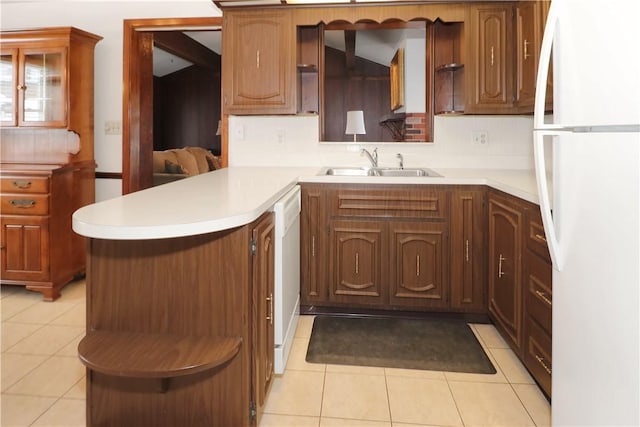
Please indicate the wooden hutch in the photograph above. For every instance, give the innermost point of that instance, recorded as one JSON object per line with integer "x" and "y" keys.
{"x": 47, "y": 168}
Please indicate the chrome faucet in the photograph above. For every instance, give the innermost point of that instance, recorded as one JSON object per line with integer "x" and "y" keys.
{"x": 401, "y": 159}
{"x": 372, "y": 158}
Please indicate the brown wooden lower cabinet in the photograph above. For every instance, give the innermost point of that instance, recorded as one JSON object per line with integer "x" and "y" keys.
{"x": 506, "y": 221}
{"x": 205, "y": 297}
{"x": 391, "y": 247}
{"x": 263, "y": 280}
{"x": 39, "y": 248}
{"x": 418, "y": 275}
{"x": 358, "y": 273}
{"x": 520, "y": 282}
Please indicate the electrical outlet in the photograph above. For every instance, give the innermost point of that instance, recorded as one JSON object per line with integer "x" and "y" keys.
{"x": 480, "y": 137}
{"x": 113, "y": 127}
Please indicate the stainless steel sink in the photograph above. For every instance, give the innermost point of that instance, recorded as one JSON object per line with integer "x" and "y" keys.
{"x": 348, "y": 171}
{"x": 387, "y": 172}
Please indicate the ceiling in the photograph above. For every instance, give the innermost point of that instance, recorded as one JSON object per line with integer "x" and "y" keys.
{"x": 375, "y": 45}
{"x": 166, "y": 63}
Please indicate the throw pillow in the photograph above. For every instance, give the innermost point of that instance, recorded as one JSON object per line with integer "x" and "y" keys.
{"x": 171, "y": 167}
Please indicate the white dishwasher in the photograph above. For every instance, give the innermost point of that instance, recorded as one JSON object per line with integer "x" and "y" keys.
{"x": 287, "y": 272}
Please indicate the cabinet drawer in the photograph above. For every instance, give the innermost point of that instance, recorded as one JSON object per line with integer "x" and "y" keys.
{"x": 17, "y": 184}
{"x": 25, "y": 204}
{"x": 537, "y": 356}
{"x": 536, "y": 239}
{"x": 538, "y": 294}
{"x": 367, "y": 202}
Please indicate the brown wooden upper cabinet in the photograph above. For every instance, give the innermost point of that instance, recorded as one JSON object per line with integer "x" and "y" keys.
{"x": 42, "y": 73}
{"x": 258, "y": 62}
{"x": 503, "y": 45}
{"x": 490, "y": 71}
{"x": 481, "y": 57}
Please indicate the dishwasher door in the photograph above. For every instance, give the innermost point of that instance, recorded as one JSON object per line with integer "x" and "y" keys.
{"x": 287, "y": 275}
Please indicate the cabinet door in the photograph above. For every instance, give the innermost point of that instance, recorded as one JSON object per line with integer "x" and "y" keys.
{"x": 25, "y": 242}
{"x": 505, "y": 275}
{"x": 528, "y": 40}
{"x": 263, "y": 330}
{"x": 468, "y": 258}
{"x": 418, "y": 264}
{"x": 356, "y": 262}
{"x": 8, "y": 87}
{"x": 313, "y": 248}
{"x": 42, "y": 87}
{"x": 490, "y": 78}
{"x": 259, "y": 63}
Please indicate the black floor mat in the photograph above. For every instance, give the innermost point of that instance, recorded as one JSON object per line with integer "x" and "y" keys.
{"x": 437, "y": 345}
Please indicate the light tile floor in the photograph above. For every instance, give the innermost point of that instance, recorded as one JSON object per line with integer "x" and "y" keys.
{"x": 43, "y": 382}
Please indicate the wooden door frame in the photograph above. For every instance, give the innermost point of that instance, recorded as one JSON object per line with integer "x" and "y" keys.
{"x": 137, "y": 105}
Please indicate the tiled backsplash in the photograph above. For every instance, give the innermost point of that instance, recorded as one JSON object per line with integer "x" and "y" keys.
{"x": 293, "y": 141}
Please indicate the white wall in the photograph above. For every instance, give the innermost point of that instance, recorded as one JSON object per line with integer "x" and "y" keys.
{"x": 104, "y": 18}
{"x": 267, "y": 140}
{"x": 293, "y": 141}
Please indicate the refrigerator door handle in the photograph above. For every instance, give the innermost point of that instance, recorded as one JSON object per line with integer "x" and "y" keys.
{"x": 543, "y": 196}
{"x": 540, "y": 131}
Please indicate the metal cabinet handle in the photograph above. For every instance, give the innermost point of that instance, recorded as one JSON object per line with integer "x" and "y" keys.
{"x": 492, "y": 56}
{"x": 258, "y": 59}
{"x": 541, "y": 237}
{"x": 22, "y": 184}
{"x": 313, "y": 246}
{"x": 357, "y": 263}
{"x": 543, "y": 297}
{"x": 466, "y": 250}
{"x": 500, "y": 272}
{"x": 417, "y": 265}
{"x": 526, "y": 49}
{"x": 540, "y": 360}
{"x": 23, "y": 203}
{"x": 270, "y": 302}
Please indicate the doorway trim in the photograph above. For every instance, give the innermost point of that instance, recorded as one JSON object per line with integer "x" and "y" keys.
{"x": 137, "y": 100}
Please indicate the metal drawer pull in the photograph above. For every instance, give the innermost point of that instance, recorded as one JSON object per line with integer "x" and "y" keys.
{"x": 313, "y": 246}
{"x": 22, "y": 184}
{"x": 270, "y": 315}
{"x": 23, "y": 203}
{"x": 357, "y": 263}
{"x": 500, "y": 272}
{"x": 526, "y": 49}
{"x": 544, "y": 365}
{"x": 543, "y": 296}
{"x": 541, "y": 237}
{"x": 417, "y": 265}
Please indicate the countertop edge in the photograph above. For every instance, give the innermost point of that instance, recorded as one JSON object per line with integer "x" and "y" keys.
{"x": 90, "y": 222}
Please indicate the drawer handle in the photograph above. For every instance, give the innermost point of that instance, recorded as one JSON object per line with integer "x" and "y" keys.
{"x": 543, "y": 296}
{"x": 22, "y": 184}
{"x": 313, "y": 246}
{"x": 541, "y": 238}
{"x": 23, "y": 203}
{"x": 357, "y": 263}
{"x": 540, "y": 360}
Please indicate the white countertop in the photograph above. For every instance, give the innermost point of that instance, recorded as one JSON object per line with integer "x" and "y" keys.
{"x": 232, "y": 197}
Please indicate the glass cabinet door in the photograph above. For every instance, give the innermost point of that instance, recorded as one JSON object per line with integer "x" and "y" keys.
{"x": 42, "y": 89}
{"x": 8, "y": 86}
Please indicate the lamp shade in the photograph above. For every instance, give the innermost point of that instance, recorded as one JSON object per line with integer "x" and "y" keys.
{"x": 355, "y": 123}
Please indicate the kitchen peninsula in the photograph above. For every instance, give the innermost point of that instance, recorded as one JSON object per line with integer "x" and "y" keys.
{"x": 176, "y": 330}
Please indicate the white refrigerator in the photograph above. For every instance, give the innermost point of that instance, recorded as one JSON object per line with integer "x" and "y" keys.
{"x": 592, "y": 220}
